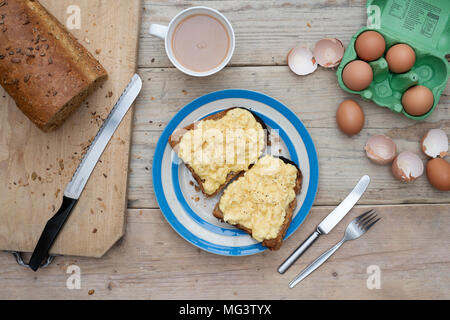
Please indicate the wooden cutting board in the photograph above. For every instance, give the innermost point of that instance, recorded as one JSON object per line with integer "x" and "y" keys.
{"x": 36, "y": 166}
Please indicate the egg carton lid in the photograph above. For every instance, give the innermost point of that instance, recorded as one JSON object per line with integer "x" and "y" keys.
{"x": 424, "y": 23}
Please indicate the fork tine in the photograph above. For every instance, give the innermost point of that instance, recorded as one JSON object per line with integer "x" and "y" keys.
{"x": 368, "y": 221}
{"x": 363, "y": 215}
{"x": 370, "y": 225}
{"x": 366, "y": 218}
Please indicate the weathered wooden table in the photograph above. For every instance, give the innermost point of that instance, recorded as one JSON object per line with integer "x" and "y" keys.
{"x": 408, "y": 249}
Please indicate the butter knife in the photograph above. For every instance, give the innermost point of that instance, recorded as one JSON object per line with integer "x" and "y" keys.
{"x": 75, "y": 187}
{"x": 329, "y": 222}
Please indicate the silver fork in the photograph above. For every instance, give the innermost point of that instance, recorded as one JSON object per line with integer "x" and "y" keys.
{"x": 355, "y": 229}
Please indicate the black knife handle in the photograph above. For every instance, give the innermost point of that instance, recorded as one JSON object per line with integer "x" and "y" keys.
{"x": 298, "y": 252}
{"x": 50, "y": 233}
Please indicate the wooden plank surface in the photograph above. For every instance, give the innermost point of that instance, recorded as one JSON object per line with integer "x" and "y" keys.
{"x": 265, "y": 29}
{"x": 314, "y": 99}
{"x": 35, "y": 166}
{"x": 409, "y": 245}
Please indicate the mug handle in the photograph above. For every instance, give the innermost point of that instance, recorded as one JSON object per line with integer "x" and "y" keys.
{"x": 158, "y": 31}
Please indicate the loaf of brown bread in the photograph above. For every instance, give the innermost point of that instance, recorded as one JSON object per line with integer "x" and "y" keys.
{"x": 43, "y": 67}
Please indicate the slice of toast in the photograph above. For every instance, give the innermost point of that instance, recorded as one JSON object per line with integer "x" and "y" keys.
{"x": 177, "y": 135}
{"x": 275, "y": 243}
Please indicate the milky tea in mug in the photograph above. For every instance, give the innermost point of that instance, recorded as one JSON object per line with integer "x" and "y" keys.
{"x": 200, "y": 42}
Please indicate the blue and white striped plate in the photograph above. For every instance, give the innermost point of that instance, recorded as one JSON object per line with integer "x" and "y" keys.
{"x": 189, "y": 212}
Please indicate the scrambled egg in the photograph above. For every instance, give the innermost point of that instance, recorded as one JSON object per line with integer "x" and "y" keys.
{"x": 259, "y": 199}
{"x": 216, "y": 148}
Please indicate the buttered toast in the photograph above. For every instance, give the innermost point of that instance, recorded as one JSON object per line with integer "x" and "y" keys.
{"x": 219, "y": 147}
{"x": 261, "y": 201}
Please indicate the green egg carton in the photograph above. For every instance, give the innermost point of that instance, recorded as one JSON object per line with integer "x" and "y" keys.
{"x": 424, "y": 25}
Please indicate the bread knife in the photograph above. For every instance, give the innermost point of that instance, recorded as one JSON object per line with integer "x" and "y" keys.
{"x": 75, "y": 187}
{"x": 329, "y": 222}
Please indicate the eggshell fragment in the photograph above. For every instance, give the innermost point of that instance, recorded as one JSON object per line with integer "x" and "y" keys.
{"x": 381, "y": 149}
{"x": 301, "y": 61}
{"x": 438, "y": 174}
{"x": 435, "y": 143}
{"x": 407, "y": 166}
{"x": 329, "y": 52}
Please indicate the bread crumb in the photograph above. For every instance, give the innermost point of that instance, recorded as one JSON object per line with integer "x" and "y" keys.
{"x": 98, "y": 51}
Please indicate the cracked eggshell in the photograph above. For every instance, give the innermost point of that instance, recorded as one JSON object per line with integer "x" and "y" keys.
{"x": 435, "y": 143}
{"x": 381, "y": 149}
{"x": 329, "y": 52}
{"x": 407, "y": 166}
{"x": 301, "y": 61}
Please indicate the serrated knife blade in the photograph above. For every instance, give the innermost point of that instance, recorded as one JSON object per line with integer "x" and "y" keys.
{"x": 329, "y": 222}
{"x": 76, "y": 186}
{"x": 104, "y": 134}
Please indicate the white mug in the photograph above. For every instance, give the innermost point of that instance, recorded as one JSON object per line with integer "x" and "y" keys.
{"x": 166, "y": 32}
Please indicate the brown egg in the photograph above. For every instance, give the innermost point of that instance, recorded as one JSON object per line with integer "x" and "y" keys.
{"x": 370, "y": 45}
{"x": 357, "y": 75}
{"x": 400, "y": 58}
{"x": 417, "y": 100}
{"x": 438, "y": 173}
{"x": 350, "y": 117}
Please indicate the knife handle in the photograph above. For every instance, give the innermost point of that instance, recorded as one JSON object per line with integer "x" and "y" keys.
{"x": 315, "y": 264}
{"x": 298, "y": 252}
{"x": 50, "y": 232}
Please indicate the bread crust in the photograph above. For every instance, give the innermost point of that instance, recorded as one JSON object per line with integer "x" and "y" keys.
{"x": 176, "y": 136}
{"x": 43, "y": 67}
{"x": 272, "y": 244}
